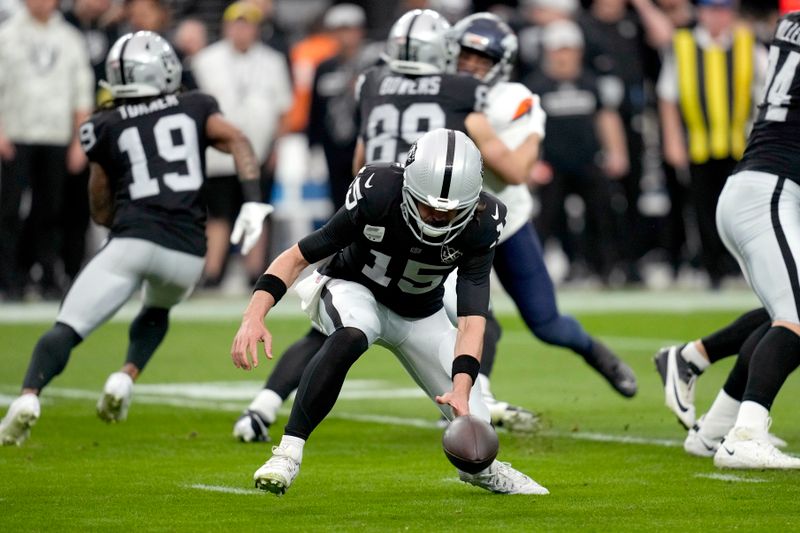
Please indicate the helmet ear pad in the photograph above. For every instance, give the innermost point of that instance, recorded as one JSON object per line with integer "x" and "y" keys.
{"x": 444, "y": 170}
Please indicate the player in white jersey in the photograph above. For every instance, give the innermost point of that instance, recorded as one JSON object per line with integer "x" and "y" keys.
{"x": 487, "y": 50}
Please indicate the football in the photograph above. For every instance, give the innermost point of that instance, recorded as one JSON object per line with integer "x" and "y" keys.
{"x": 470, "y": 443}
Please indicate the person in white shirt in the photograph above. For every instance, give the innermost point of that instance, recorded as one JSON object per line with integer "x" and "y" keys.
{"x": 46, "y": 92}
{"x": 251, "y": 82}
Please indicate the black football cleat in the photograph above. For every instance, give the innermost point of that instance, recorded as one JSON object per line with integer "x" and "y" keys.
{"x": 611, "y": 367}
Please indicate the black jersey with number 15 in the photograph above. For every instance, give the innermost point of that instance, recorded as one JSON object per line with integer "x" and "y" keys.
{"x": 395, "y": 109}
{"x": 774, "y": 143}
{"x": 153, "y": 153}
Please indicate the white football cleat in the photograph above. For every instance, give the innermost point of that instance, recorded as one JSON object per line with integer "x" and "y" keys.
{"x": 502, "y": 479}
{"x": 15, "y": 428}
{"x": 278, "y": 473}
{"x": 698, "y": 444}
{"x": 750, "y": 448}
{"x": 511, "y": 417}
{"x": 252, "y": 426}
{"x": 679, "y": 380}
{"x": 701, "y": 442}
{"x": 113, "y": 404}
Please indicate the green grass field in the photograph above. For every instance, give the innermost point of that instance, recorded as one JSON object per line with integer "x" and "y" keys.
{"x": 376, "y": 463}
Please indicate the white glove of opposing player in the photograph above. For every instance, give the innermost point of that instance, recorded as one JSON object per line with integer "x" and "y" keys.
{"x": 249, "y": 224}
{"x": 538, "y": 118}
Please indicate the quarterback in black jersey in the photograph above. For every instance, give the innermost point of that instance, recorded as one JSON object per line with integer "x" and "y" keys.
{"x": 758, "y": 219}
{"x": 401, "y": 231}
{"x": 147, "y": 167}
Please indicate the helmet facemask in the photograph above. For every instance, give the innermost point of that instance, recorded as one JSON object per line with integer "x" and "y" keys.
{"x": 444, "y": 172}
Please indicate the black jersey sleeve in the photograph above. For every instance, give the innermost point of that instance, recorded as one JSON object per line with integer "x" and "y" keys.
{"x": 339, "y": 232}
{"x": 472, "y": 288}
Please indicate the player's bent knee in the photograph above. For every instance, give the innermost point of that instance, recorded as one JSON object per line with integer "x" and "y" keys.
{"x": 559, "y": 332}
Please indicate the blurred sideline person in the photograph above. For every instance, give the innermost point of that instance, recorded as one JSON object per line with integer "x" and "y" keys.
{"x": 146, "y": 172}
{"x": 332, "y": 122}
{"x": 251, "y": 83}
{"x": 585, "y": 149}
{"x": 400, "y": 233}
{"x": 706, "y": 89}
{"x": 46, "y": 90}
{"x": 758, "y": 217}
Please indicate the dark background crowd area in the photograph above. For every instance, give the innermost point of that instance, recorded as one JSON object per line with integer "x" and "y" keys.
{"x": 638, "y": 222}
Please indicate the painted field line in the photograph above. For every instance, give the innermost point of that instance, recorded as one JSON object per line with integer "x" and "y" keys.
{"x": 424, "y": 423}
{"x": 211, "y": 308}
{"x": 731, "y": 478}
{"x": 226, "y": 490}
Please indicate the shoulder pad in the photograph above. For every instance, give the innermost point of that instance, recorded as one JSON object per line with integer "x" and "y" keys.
{"x": 375, "y": 188}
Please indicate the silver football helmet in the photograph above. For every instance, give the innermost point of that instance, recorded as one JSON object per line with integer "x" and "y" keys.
{"x": 487, "y": 34}
{"x": 444, "y": 170}
{"x": 142, "y": 64}
{"x": 417, "y": 43}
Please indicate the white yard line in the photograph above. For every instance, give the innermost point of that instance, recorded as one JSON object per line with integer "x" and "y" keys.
{"x": 234, "y": 400}
{"x": 731, "y": 478}
{"x": 210, "y": 308}
{"x": 226, "y": 490}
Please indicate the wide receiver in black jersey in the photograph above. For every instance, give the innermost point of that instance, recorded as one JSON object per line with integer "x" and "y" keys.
{"x": 400, "y": 233}
{"x": 147, "y": 167}
{"x": 758, "y": 218}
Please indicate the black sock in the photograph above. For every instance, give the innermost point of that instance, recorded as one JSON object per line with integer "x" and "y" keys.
{"x": 737, "y": 378}
{"x": 323, "y": 379}
{"x": 50, "y": 356}
{"x": 728, "y": 340}
{"x": 285, "y": 377}
{"x": 490, "y": 339}
{"x": 775, "y": 357}
{"x": 146, "y": 333}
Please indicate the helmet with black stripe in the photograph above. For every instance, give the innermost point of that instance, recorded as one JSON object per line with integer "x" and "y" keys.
{"x": 486, "y": 34}
{"x": 417, "y": 44}
{"x": 442, "y": 182}
{"x": 142, "y": 64}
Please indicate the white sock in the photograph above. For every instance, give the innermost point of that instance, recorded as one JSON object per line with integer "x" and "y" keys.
{"x": 753, "y": 415}
{"x": 692, "y": 355}
{"x": 721, "y": 417}
{"x": 267, "y": 402}
{"x": 295, "y": 444}
{"x": 486, "y": 388}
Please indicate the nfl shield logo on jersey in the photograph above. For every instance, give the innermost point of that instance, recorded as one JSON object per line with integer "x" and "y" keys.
{"x": 450, "y": 255}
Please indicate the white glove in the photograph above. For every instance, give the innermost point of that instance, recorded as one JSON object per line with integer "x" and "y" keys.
{"x": 249, "y": 224}
{"x": 538, "y": 118}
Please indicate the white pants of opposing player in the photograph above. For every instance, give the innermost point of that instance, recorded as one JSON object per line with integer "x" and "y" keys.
{"x": 425, "y": 346}
{"x": 758, "y": 219}
{"x": 120, "y": 269}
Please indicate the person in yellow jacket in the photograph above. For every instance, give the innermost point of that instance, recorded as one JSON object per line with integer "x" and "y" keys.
{"x": 707, "y": 90}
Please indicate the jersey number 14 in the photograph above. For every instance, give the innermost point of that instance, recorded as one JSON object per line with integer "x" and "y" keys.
{"x": 779, "y": 84}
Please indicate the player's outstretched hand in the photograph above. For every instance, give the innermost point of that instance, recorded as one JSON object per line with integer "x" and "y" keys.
{"x": 245, "y": 343}
{"x": 249, "y": 224}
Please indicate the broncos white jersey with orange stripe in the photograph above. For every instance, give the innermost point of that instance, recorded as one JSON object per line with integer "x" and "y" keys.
{"x": 510, "y": 109}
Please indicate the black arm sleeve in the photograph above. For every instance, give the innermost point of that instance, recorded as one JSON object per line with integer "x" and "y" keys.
{"x": 472, "y": 288}
{"x": 339, "y": 232}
